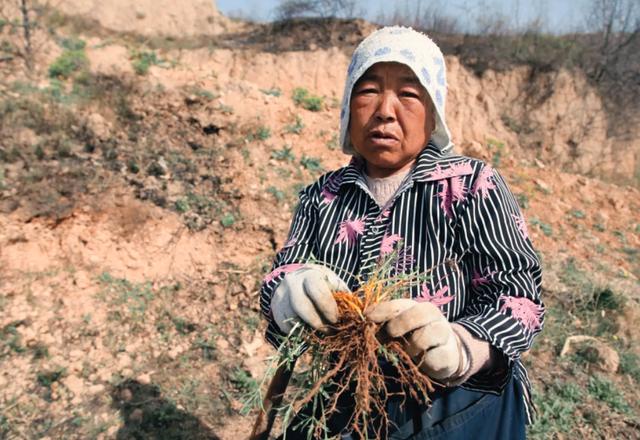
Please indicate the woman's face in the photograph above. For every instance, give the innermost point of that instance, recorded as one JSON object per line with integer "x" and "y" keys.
{"x": 391, "y": 118}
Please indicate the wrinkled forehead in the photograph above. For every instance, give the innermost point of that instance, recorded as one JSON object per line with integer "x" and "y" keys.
{"x": 389, "y": 69}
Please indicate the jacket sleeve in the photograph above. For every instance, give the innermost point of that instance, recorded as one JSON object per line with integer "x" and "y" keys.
{"x": 504, "y": 305}
{"x": 297, "y": 250}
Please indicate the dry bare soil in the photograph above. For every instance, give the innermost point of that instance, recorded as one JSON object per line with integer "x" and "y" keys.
{"x": 144, "y": 191}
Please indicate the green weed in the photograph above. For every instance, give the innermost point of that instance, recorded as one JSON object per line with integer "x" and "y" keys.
{"x": 11, "y": 340}
{"x": 72, "y": 59}
{"x": 604, "y": 390}
{"x": 576, "y": 213}
{"x": 558, "y": 409}
{"x": 544, "y": 227}
{"x": 332, "y": 144}
{"x": 120, "y": 291}
{"x": 311, "y": 163}
{"x": 225, "y": 109}
{"x": 302, "y": 98}
{"x": 261, "y": 133}
{"x": 496, "y": 147}
{"x": 228, "y": 220}
{"x": 143, "y": 60}
{"x": 630, "y": 364}
{"x": 273, "y": 91}
{"x": 295, "y": 127}
{"x": 277, "y": 193}
{"x": 284, "y": 154}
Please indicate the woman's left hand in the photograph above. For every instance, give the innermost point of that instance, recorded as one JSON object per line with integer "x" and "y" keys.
{"x": 428, "y": 337}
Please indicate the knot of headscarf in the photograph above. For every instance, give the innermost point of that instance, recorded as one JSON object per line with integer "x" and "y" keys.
{"x": 413, "y": 49}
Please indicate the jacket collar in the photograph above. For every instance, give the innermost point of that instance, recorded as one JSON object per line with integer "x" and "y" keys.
{"x": 431, "y": 165}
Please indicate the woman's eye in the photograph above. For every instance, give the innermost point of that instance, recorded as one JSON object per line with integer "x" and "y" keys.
{"x": 409, "y": 94}
{"x": 367, "y": 90}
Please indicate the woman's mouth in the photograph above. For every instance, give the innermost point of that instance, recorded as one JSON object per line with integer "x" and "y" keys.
{"x": 381, "y": 138}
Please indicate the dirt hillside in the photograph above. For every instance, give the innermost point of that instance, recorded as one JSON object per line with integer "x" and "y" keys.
{"x": 145, "y": 189}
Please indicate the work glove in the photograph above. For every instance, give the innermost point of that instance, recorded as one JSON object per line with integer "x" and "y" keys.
{"x": 306, "y": 294}
{"x": 426, "y": 334}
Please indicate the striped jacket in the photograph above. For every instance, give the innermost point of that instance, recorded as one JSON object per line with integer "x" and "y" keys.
{"x": 455, "y": 217}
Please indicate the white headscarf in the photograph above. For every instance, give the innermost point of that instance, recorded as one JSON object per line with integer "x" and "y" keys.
{"x": 413, "y": 49}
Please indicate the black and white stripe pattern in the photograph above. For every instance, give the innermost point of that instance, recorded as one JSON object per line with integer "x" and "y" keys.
{"x": 456, "y": 218}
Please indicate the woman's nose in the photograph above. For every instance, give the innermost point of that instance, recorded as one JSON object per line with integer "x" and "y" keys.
{"x": 386, "y": 108}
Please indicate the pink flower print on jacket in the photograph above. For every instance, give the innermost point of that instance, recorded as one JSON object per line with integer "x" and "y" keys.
{"x": 349, "y": 231}
{"x": 451, "y": 191}
{"x": 330, "y": 188}
{"x": 524, "y": 310}
{"x": 437, "y": 299}
{"x": 480, "y": 280}
{"x": 521, "y": 224}
{"x": 484, "y": 183}
{"x": 452, "y": 187}
{"x": 457, "y": 169}
{"x": 388, "y": 241}
{"x": 280, "y": 270}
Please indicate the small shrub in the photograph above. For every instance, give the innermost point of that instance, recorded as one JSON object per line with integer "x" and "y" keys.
{"x": 225, "y": 109}
{"x": 295, "y": 127}
{"x": 273, "y": 91}
{"x": 605, "y": 391}
{"x": 497, "y": 148}
{"x": 284, "y": 154}
{"x": 630, "y": 364}
{"x": 275, "y": 192}
{"x": 311, "y": 163}
{"x": 302, "y": 98}
{"x": 576, "y": 213}
{"x": 182, "y": 205}
{"x": 228, "y": 220}
{"x": 69, "y": 62}
{"x": 143, "y": 60}
{"x": 544, "y": 227}
{"x": 261, "y": 133}
{"x": 332, "y": 144}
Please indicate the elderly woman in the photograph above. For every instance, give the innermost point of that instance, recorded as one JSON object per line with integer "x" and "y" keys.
{"x": 453, "y": 216}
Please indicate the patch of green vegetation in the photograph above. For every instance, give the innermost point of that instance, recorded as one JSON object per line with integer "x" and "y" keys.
{"x": 523, "y": 200}
{"x": 630, "y": 364}
{"x": 295, "y": 127}
{"x": 72, "y": 59}
{"x": 273, "y": 91}
{"x": 47, "y": 378}
{"x": 284, "y": 154}
{"x": 261, "y": 133}
{"x": 11, "y": 340}
{"x": 183, "y": 326}
{"x": 576, "y": 213}
{"x": 143, "y": 60}
{"x": 225, "y": 109}
{"x": 558, "y": 408}
{"x": 604, "y": 390}
{"x": 312, "y": 164}
{"x": 120, "y": 291}
{"x": 277, "y": 193}
{"x": 228, "y": 220}
{"x": 496, "y": 148}
{"x": 244, "y": 385}
{"x": 182, "y": 205}
{"x": 332, "y": 144}
{"x": 302, "y": 98}
{"x": 208, "y": 347}
{"x": 544, "y": 227}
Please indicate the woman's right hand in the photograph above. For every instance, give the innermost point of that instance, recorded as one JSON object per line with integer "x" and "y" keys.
{"x": 307, "y": 295}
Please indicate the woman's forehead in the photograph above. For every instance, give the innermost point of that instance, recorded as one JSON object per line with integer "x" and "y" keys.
{"x": 398, "y": 70}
